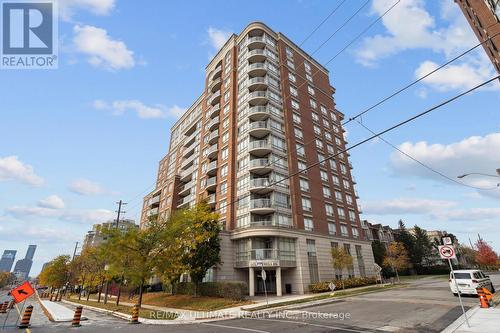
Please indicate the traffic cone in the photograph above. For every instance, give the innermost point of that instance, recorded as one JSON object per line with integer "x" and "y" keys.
{"x": 77, "y": 317}
{"x": 483, "y": 300}
{"x": 3, "y": 307}
{"x": 25, "y": 322}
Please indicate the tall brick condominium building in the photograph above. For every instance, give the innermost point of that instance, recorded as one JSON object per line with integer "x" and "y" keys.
{"x": 267, "y": 111}
{"x": 484, "y": 18}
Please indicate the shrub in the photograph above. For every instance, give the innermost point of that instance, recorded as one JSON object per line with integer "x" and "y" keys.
{"x": 227, "y": 289}
{"x": 348, "y": 283}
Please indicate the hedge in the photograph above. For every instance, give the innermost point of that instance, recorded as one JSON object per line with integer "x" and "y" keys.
{"x": 227, "y": 289}
{"x": 348, "y": 283}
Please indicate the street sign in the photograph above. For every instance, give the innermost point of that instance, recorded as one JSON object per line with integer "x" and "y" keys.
{"x": 447, "y": 241}
{"x": 332, "y": 286}
{"x": 22, "y": 292}
{"x": 263, "y": 275}
{"x": 447, "y": 252}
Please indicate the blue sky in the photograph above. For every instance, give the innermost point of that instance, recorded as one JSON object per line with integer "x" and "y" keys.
{"x": 76, "y": 139}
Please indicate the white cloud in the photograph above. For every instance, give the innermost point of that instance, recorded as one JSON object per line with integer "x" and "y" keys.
{"x": 472, "y": 214}
{"x": 472, "y": 154}
{"x": 67, "y": 8}
{"x": 86, "y": 187}
{"x": 458, "y": 77}
{"x": 69, "y": 215}
{"x": 410, "y": 26}
{"x": 11, "y": 168}
{"x": 119, "y": 107}
{"x": 102, "y": 50}
{"x": 217, "y": 38}
{"x": 52, "y": 202}
{"x": 406, "y": 206}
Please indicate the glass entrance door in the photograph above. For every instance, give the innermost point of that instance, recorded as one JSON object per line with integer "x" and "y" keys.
{"x": 270, "y": 282}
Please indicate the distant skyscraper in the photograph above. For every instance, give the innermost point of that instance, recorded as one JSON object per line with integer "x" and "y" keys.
{"x": 7, "y": 260}
{"x": 23, "y": 266}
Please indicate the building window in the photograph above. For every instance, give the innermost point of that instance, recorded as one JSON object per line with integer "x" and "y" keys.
{"x": 314, "y": 116}
{"x": 301, "y": 165}
{"x": 352, "y": 215}
{"x": 310, "y": 90}
{"x": 290, "y": 64}
{"x": 308, "y": 224}
{"x": 291, "y": 77}
{"x": 324, "y": 175}
{"x": 225, "y": 137}
{"x": 223, "y": 170}
{"x": 343, "y": 230}
{"x": 326, "y": 192}
{"x": 295, "y": 104}
{"x": 312, "y": 260}
{"x": 307, "y": 67}
{"x": 313, "y": 103}
{"x": 224, "y": 153}
{"x": 355, "y": 232}
{"x": 223, "y": 206}
{"x": 300, "y": 150}
{"x": 332, "y": 229}
{"x": 293, "y": 91}
{"x": 296, "y": 118}
{"x": 319, "y": 144}
{"x": 298, "y": 133}
{"x": 306, "y": 204}
{"x": 348, "y": 199}
{"x": 329, "y": 209}
{"x": 317, "y": 130}
{"x": 341, "y": 212}
{"x": 361, "y": 262}
{"x": 223, "y": 188}
{"x": 304, "y": 184}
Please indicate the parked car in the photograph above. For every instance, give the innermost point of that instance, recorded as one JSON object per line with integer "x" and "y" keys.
{"x": 468, "y": 280}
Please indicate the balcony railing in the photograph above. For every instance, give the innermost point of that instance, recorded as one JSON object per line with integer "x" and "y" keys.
{"x": 261, "y": 203}
{"x": 279, "y": 257}
{"x": 259, "y": 182}
{"x": 259, "y": 144}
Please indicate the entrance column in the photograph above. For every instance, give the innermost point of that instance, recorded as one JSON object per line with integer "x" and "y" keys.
{"x": 278, "y": 281}
{"x": 251, "y": 281}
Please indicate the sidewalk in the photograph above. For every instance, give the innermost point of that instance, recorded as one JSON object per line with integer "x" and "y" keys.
{"x": 480, "y": 320}
{"x": 57, "y": 312}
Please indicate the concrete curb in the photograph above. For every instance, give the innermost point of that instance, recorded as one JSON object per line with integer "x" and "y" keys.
{"x": 460, "y": 320}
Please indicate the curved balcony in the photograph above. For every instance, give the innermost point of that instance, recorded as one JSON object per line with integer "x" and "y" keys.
{"x": 259, "y": 112}
{"x": 217, "y": 73}
{"x": 214, "y": 110}
{"x": 260, "y": 166}
{"x": 215, "y": 84}
{"x": 257, "y": 42}
{"x": 212, "y": 168}
{"x": 257, "y": 98}
{"x": 259, "y": 147}
{"x": 185, "y": 201}
{"x": 211, "y": 200}
{"x": 260, "y": 185}
{"x": 257, "y": 69}
{"x": 211, "y": 184}
{"x": 214, "y": 136}
{"x": 213, "y": 151}
{"x": 215, "y": 98}
{"x": 187, "y": 174}
{"x": 186, "y": 189}
{"x": 214, "y": 123}
{"x": 261, "y": 206}
{"x": 259, "y": 129}
{"x": 257, "y": 55}
{"x": 257, "y": 83}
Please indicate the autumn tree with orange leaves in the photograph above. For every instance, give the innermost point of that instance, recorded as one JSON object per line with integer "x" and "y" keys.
{"x": 485, "y": 256}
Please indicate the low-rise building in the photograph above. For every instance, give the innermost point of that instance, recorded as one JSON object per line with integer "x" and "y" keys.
{"x": 95, "y": 237}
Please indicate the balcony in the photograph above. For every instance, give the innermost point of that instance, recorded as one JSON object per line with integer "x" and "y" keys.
{"x": 153, "y": 212}
{"x": 214, "y": 110}
{"x": 187, "y": 174}
{"x": 259, "y": 112}
{"x": 356, "y": 194}
{"x": 214, "y": 123}
{"x": 260, "y": 185}
{"x": 189, "y": 150}
{"x": 215, "y": 84}
{"x": 257, "y": 55}
{"x": 257, "y": 42}
{"x": 260, "y": 166}
{"x": 257, "y": 69}
{"x": 185, "y": 201}
{"x": 215, "y": 98}
{"x": 265, "y": 257}
{"x": 259, "y": 129}
{"x": 190, "y": 129}
{"x": 259, "y": 147}
{"x": 190, "y": 139}
{"x": 217, "y": 73}
{"x": 154, "y": 201}
{"x": 214, "y": 136}
{"x": 212, "y": 151}
{"x": 360, "y": 210}
{"x": 262, "y": 206}
{"x": 212, "y": 168}
{"x": 211, "y": 200}
{"x": 211, "y": 184}
{"x": 186, "y": 189}
{"x": 188, "y": 162}
{"x": 257, "y": 83}
{"x": 258, "y": 98}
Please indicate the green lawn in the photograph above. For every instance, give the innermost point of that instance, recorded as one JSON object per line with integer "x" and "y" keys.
{"x": 188, "y": 302}
{"x": 417, "y": 277}
{"x": 143, "y": 313}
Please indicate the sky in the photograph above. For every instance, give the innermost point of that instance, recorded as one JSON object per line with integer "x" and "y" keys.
{"x": 75, "y": 140}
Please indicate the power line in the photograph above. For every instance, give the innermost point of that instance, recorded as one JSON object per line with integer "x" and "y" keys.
{"x": 341, "y": 27}
{"x": 397, "y": 92}
{"x": 326, "y": 19}
{"x": 374, "y": 136}
{"x": 420, "y": 162}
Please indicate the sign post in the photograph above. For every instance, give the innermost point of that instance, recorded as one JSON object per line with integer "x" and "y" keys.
{"x": 263, "y": 275}
{"x": 447, "y": 252}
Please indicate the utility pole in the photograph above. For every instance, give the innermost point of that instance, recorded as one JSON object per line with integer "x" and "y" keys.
{"x": 74, "y": 252}
{"x": 119, "y": 211}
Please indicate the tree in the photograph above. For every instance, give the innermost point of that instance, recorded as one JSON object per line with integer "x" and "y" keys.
{"x": 56, "y": 273}
{"x": 379, "y": 252}
{"x": 408, "y": 241}
{"x": 6, "y": 278}
{"x": 397, "y": 257}
{"x": 90, "y": 273}
{"x": 467, "y": 256}
{"x": 200, "y": 243}
{"x": 422, "y": 248}
{"x": 341, "y": 260}
{"x": 485, "y": 256}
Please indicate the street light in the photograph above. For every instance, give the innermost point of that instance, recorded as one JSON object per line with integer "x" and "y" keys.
{"x": 479, "y": 174}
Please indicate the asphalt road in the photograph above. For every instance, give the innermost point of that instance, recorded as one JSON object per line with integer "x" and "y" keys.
{"x": 427, "y": 305}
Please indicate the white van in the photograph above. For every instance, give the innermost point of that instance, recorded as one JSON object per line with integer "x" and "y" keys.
{"x": 468, "y": 280}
